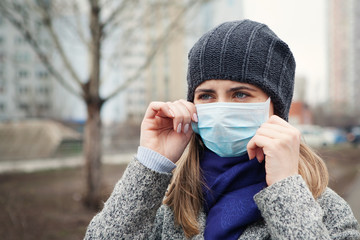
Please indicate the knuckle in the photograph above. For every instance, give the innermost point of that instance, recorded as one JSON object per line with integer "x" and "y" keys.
{"x": 281, "y": 143}
{"x": 259, "y": 131}
{"x": 190, "y": 106}
{"x": 187, "y": 118}
{"x": 273, "y": 118}
{"x": 180, "y": 118}
{"x": 296, "y": 135}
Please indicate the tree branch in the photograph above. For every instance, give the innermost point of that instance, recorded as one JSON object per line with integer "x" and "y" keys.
{"x": 117, "y": 12}
{"x": 37, "y": 49}
{"x": 72, "y": 23}
{"x": 161, "y": 41}
{"x": 48, "y": 23}
{"x": 79, "y": 29}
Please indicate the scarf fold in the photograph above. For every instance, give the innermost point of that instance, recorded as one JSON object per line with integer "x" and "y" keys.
{"x": 231, "y": 184}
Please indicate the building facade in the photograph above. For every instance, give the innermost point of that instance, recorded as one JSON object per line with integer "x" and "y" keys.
{"x": 165, "y": 77}
{"x": 25, "y": 86}
{"x": 344, "y": 56}
{"x": 162, "y": 50}
{"x": 28, "y": 90}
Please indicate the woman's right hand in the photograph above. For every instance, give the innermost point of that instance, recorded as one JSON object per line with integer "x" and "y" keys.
{"x": 166, "y": 127}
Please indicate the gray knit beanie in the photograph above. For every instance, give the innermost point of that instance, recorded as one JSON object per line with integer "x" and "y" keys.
{"x": 248, "y": 52}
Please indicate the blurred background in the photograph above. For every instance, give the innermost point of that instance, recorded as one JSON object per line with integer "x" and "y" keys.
{"x": 76, "y": 77}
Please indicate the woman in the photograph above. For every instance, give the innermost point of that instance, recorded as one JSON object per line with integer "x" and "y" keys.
{"x": 244, "y": 172}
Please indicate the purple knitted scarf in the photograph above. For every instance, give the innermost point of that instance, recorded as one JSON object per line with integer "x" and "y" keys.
{"x": 232, "y": 183}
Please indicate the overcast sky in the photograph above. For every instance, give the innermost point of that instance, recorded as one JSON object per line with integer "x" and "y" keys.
{"x": 301, "y": 24}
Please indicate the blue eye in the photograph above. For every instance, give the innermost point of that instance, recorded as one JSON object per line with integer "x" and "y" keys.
{"x": 240, "y": 95}
{"x": 205, "y": 96}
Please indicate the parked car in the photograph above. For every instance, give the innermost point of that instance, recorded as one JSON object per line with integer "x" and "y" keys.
{"x": 317, "y": 136}
{"x": 354, "y": 135}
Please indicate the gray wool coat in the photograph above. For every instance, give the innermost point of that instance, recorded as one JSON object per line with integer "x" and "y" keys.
{"x": 135, "y": 211}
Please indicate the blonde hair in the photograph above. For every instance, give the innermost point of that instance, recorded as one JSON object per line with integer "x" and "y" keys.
{"x": 185, "y": 198}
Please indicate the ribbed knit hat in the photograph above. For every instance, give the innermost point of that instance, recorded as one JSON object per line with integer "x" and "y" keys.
{"x": 244, "y": 51}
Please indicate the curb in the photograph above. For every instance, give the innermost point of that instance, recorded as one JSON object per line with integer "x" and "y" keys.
{"x": 29, "y": 166}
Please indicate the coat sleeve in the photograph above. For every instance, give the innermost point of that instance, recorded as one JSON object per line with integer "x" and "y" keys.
{"x": 291, "y": 212}
{"x": 338, "y": 217}
{"x": 130, "y": 211}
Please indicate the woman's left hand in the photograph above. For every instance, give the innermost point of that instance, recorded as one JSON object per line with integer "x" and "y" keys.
{"x": 280, "y": 143}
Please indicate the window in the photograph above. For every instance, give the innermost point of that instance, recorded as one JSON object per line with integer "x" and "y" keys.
{"x": 2, "y": 74}
{"x": 42, "y": 75}
{"x": 23, "y": 89}
{"x": 22, "y": 57}
{"x": 2, "y": 86}
{"x": 38, "y": 26}
{"x": 2, "y": 57}
{"x": 18, "y": 8}
{"x": 24, "y": 106}
{"x": 43, "y": 106}
{"x": 44, "y": 90}
{"x": 45, "y": 42}
{"x": 23, "y": 74}
{"x": 19, "y": 40}
{"x": 2, "y": 107}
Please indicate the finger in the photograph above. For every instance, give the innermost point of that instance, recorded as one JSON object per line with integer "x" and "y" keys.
{"x": 285, "y": 129}
{"x": 185, "y": 116}
{"x": 185, "y": 110}
{"x": 258, "y": 141}
{"x": 274, "y": 126}
{"x": 278, "y": 120}
{"x": 271, "y": 132}
{"x": 260, "y": 156}
{"x": 178, "y": 117}
{"x": 251, "y": 149}
{"x": 158, "y": 109}
{"x": 191, "y": 108}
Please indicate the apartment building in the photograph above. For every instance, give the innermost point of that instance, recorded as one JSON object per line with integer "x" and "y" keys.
{"x": 344, "y": 56}
{"x": 25, "y": 86}
{"x": 164, "y": 79}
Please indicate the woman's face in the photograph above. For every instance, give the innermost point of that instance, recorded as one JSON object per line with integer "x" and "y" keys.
{"x": 212, "y": 91}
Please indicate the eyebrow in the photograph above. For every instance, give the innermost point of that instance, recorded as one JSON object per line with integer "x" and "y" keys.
{"x": 241, "y": 88}
{"x": 204, "y": 90}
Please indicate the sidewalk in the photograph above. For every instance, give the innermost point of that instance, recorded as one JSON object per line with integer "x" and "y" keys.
{"x": 55, "y": 163}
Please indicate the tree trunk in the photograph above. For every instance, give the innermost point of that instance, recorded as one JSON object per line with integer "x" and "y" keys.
{"x": 93, "y": 140}
{"x": 92, "y": 154}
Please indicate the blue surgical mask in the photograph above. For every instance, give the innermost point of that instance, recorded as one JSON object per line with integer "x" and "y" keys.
{"x": 226, "y": 128}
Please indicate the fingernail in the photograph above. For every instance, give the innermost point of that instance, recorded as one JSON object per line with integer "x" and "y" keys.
{"x": 186, "y": 128}
{"x": 178, "y": 130}
{"x": 171, "y": 113}
{"x": 195, "y": 118}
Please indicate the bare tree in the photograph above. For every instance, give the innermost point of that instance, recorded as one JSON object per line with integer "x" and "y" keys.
{"x": 93, "y": 22}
